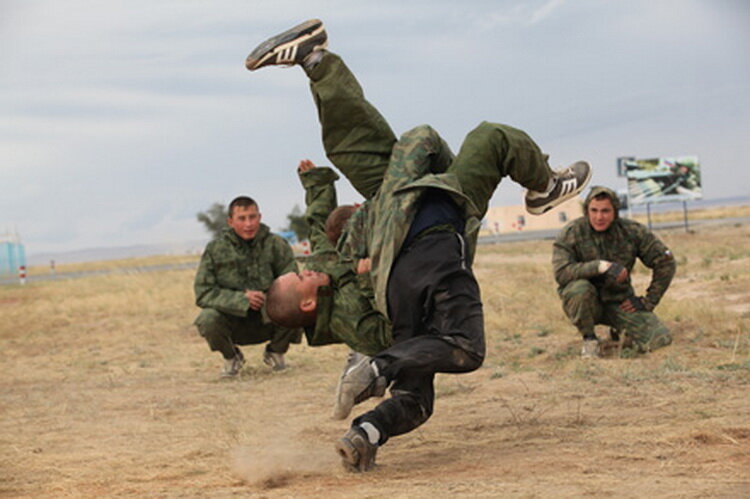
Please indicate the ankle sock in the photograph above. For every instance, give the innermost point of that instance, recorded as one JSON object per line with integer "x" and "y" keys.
{"x": 373, "y": 434}
{"x": 312, "y": 59}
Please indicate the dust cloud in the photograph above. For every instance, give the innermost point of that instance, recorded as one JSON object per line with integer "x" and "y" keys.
{"x": 277, "y": 463}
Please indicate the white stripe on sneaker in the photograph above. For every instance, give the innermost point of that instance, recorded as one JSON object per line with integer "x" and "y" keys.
{"x": 568, "y": 186}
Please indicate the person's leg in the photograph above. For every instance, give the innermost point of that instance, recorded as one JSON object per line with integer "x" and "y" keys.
{"x": 356, "y": 137}
{"x": 580, "y": 302}
{"x": 645, "y": 328}
{"x": 217, "y": 329}
{"x": 435, "y": 309}
{"x": 411, "y": 404}
{"x": 492, "y": 151}
{"x": 438, "y": 326}
{"x": 437, "y": 321}
{"x": 252, "y": 331}
{"x": 281, "y": 338}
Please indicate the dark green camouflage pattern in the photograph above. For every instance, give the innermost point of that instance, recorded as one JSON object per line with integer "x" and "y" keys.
{"x": 591, "y": 298}
{"x": 579, "y": 248}
{"x": 353, "y": 320}
{"x": 230, "y": 265}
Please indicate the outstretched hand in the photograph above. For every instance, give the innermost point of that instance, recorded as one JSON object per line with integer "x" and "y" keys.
{"x": 305, "y": 165}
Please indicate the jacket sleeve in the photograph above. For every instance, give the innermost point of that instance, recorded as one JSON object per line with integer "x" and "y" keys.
{"x": 565, "y": 264}
{"x": 656, "y": 256}
{"x": 209, "y": 294}
{"x": 356, "y": 322}
{"x": 320, "y": 198}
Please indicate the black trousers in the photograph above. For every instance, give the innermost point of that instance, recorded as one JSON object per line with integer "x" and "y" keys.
{"x": 438, "y": 327}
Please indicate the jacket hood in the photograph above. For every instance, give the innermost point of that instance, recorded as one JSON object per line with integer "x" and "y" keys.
{"x": 609, "y": 193}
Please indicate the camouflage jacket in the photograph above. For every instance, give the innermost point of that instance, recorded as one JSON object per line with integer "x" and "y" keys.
{"x": 394, "y": 206}
{"x": 579, "y": 248}
{"x": 354, "y": 310}
{"x": 345, "y": 309}
{"x": 229, "y": 266}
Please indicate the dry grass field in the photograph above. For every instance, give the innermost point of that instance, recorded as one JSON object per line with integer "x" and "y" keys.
{"x": 107, "y": 390}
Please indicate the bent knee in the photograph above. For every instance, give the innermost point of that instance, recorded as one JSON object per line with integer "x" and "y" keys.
{"x": 209, "y": 320}
{"x": 579, "y": 288}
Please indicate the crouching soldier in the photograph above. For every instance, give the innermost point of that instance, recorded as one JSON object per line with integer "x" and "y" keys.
{"x": 593, "y": 258}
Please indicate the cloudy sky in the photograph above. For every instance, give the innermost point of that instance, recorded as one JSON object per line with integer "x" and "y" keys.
{"x": 120, "y": 120}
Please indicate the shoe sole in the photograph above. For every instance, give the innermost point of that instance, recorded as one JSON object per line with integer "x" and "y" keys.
{"x": 540, "y": 210}
{"x": 282, "y": 42}
{"x": 349, "y": 454}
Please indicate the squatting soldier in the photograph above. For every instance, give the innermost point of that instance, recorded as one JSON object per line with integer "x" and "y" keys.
{"x": 423, "y": 213}
{"x": 235, "y": 271}
{"x": 593, "y": 258}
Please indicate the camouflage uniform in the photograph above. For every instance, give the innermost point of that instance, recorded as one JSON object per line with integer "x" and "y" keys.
{"x": 425, "y": 287}
{"x": 354, "y": 319}
{"x": 591, "y": 298}
{"x": 229, "y": 266}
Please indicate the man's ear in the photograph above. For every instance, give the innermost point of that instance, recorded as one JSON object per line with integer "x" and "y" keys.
{"x": 308, "y": 305}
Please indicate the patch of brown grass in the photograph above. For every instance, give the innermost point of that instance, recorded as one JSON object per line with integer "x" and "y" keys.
{"x": 108, "y": 390}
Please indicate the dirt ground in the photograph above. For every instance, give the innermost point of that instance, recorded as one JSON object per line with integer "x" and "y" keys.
{"x": 124, "y": 399}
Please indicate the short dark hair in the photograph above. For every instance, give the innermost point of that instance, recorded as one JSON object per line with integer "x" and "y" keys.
{"x": 336, "y": 221}
{"x": 282, "y": 307}
{"x": 241, "y": 201}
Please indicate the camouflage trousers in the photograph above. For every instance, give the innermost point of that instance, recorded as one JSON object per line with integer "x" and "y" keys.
{"x": 360, "y": 143}
{"x": 581, "y": 303}
{"x": 224, "y": 331}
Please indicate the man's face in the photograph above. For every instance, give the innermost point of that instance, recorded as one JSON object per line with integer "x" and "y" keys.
{"x": 306, "y": 283}
{"x": 601, "y": 214}
{"x": 245, "y": 220}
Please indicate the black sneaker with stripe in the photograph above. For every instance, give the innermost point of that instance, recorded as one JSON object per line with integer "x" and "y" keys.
{"x": 290, "y": 47}
{"x": 567, "y": 184}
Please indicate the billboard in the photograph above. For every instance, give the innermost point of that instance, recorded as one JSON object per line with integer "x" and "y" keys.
{"x": 659, "y": 180}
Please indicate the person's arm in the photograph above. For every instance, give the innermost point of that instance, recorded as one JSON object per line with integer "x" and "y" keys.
{"x": 356, "y": 322}
{"x": 210, "y": 294}
{"x": 320, "y": 198}
{"x": 565, "y": 264}
{"x": 656, "y": 256}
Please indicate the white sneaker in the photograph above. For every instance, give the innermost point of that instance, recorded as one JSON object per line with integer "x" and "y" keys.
{"x": 233, "y": 366}
{"x": 359, "y": 382}
{"x": 274, "y": 360}
{"x": 590, "y": 349}
{"x": 340, "y": 409}
{"x": 566, "y": 184}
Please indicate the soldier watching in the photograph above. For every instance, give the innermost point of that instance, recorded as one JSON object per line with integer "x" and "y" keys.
{"x": 593, "y": 258}
{"x": 235, "y": 271}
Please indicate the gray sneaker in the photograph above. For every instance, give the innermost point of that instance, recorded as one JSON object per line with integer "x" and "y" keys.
{"x": 233, "y": 366}
{"x": 274, "y": 360}
{"x": 356, "y": 451}
{"x": 341, "y": 410}
{"x": 567, "y": 184}
{"x": 359, "y": 383}
{"x": 590, "y": 349}
{"x": 290, "y": 47}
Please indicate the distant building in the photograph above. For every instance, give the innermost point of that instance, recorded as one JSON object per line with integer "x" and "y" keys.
{"x": 510, "y": 219}
{"x": 12, "y": 254}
